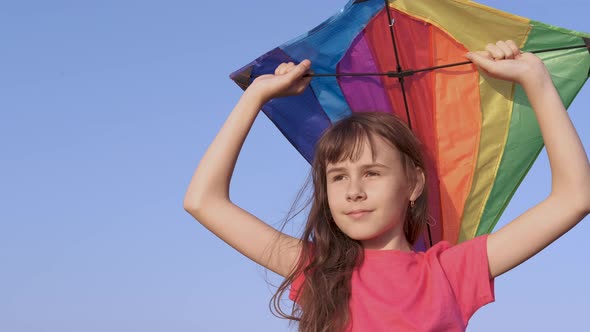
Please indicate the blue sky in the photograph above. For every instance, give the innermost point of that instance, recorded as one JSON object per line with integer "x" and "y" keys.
{"x": 105, "y": 110}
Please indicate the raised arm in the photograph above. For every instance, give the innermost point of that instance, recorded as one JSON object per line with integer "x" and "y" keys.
{"x": 207, "y": 198}
{"x": 569, "y": 200}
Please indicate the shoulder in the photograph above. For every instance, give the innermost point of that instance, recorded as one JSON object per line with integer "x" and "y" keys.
{"x": 477, "y": 246}
{"x": 460, "y": 258}
{"x": 438, "y": 248}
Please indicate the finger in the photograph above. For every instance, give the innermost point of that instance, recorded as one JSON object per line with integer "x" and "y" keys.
{"x": 304, "y": 83}
{"x": 285, "y": 68}
{"x": 301, "y": 69}
{"x": 280, "y": 70}
{"x": 307, "y": 80}
{"x": 496, "y": 52}
{"x": 508, "y": 53}
{"x": 485, "y": 54}
{"x": 289, "y": 67}
{"x": 515, "y": 49}
{"x": 482, "y": 61}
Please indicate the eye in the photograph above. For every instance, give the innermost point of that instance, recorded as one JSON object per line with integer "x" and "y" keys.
{"x": 338, "y": 178}
{"x": 372, "y": 174}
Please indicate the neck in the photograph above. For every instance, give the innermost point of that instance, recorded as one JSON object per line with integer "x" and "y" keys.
{"x": 397, "y": 243}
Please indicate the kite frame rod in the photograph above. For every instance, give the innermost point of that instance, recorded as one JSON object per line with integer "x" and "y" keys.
{"x": 405, "y": 73}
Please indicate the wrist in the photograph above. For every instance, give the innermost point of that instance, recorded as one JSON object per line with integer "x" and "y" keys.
{"x": 255, "y": 98}
{"x": 539, "y": 88}
{"x": 537, "y": 78}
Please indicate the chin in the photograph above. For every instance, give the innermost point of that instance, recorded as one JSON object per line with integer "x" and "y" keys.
{"x": 360, "y": 236}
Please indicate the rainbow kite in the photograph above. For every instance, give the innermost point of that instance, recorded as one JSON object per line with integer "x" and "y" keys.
{"x": 480, "y": 134}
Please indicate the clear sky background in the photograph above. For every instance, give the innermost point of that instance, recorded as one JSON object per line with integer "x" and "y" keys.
{"x": 106, "y": 107}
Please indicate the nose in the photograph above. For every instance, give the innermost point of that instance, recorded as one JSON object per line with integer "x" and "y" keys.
{"x": 355, "y": 193}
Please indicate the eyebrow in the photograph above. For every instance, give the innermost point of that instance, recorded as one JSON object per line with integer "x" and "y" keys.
{"x": 343, "y": 169}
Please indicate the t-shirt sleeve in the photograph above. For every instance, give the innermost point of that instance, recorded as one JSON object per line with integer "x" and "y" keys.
{"x": 295, "y": 287}
{"x": 467, "y": 270}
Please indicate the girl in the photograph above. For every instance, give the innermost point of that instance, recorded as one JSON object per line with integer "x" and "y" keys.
{"x": 354, "y": 267}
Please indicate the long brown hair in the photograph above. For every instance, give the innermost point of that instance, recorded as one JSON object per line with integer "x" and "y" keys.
{"x": 329, "y": 256}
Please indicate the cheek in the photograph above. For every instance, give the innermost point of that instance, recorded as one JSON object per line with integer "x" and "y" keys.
{"x": 332, "y": 193}
{"x": 391, "y": 194}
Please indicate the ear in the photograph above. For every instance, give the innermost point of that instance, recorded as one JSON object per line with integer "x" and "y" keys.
{"x": 416, "y": 191}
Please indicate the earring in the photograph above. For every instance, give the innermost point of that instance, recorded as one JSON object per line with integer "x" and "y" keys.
{"x": 412, "y": 203}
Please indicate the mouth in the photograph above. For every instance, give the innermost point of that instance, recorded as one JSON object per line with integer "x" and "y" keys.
{"x": 357, "y": 214}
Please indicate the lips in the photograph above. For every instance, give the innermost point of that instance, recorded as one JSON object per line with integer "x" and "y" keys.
{"x": 356, "y": 214}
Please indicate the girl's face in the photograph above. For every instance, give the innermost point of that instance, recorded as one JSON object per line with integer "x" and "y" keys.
{"x": 368, "y": 197}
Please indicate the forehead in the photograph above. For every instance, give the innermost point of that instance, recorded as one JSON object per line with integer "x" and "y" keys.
{"x": 368, "y": 150}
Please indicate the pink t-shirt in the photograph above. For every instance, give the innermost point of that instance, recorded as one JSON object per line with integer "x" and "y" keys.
{"x": 436, "y": 290}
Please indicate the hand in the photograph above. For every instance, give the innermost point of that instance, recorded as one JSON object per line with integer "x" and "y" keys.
{"x": 287, "y": 80}
{"x": 505, "y": 61}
